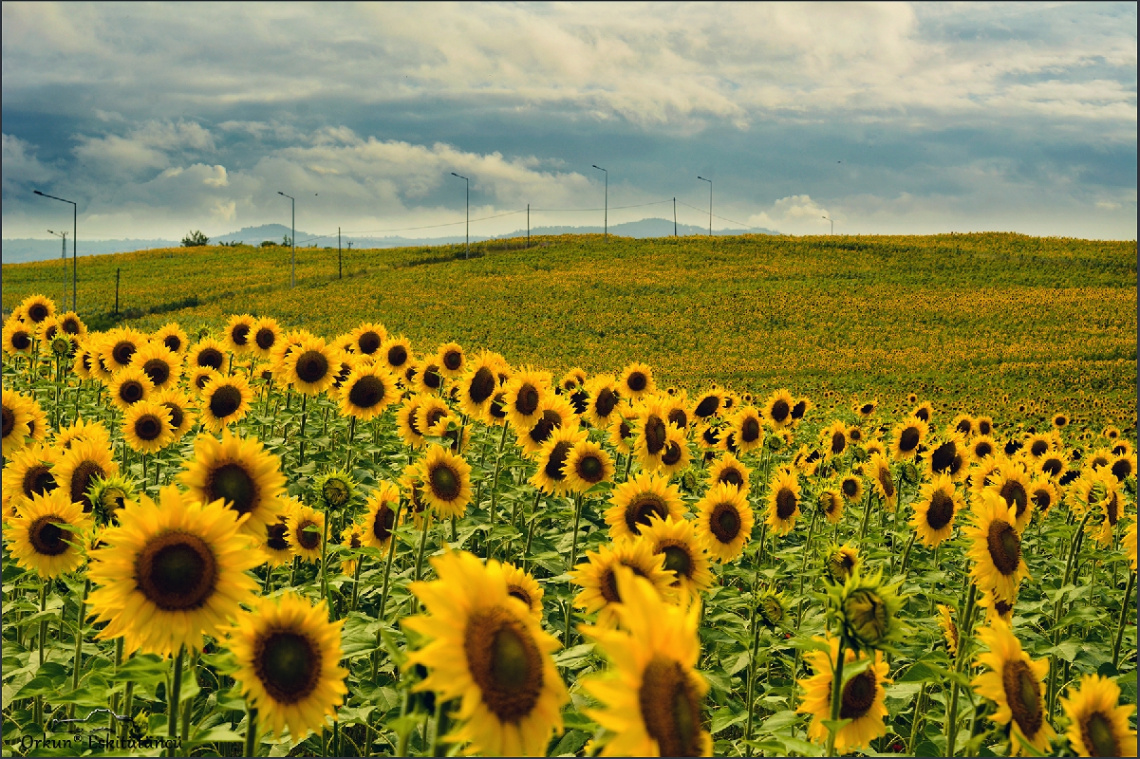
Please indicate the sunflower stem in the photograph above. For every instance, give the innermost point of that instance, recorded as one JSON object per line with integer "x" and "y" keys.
{"x": 355, "y": 583}
{"x": 906, "y": 554}
{"x": 628, "y": 463}
{"x": 751, "y": 688}
{"x": 836, "y": 692}
{"x": 324, "y": 555}
{"x": 573, "y": 560}
{"x": 384, "y": 589}
{"x": 423, "y": 544}
{"x": 963, "y": 634}
{"x": 173, "y": 698}
{"x": 188, "y": 709}
{"x": 251, "y": 742}
{"x": 1123, "y": 616}
{"x": 293, "y": 573}
{"x": 494, "y": 489}
{"x": 77, "y": 662}
{"x": 916, "y": 719}
{"x": 128, "y": 706}
{"x": 866, "y": 515}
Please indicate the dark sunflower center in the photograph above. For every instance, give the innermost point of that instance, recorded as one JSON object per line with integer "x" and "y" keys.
{"x": 1042, "y": 499}
{"x": 38, "y": 479}
{"x": 557, "y": 461}
{"x": 368, "y": 342}
{"x": 225, "y": 400}
{"x": 642, "y": 508}
{"x": 336, "y": 492}
{"x": 444, "y": 482}
{"x": 850, "y": 487}
{"x": 707, "y": 407}
{"x": 158, "y": 371}
{"x": 838, "y": 443}
{"x": 678, "y": 559}
{"x": 382, "y": 525}
{"x": 367, "y": 391}
{"x": 21, "y": 340}
{"x": 866, "y": 408}
{"x": 732, "y": 476}
{"x": 941, "y": 510}
{"x": 1099, "y": 736}
{"x": 498, "y": 409}
{"x": 1052, "y": 466}
{"x": 275, "y": 536}
{"x": 288, "y": 664}
{"x": 1121, "y": 469}
{"x": 148, "y": 427}
{"x": 309, "y": 535}
{"x": 785, "y": 503}
{"x": 886, "y": 482}
{"x": 909, "y": 439}
{"x": 452, "y": 360}
{"x": 724, "y": 523}
{"x": 433, "y": 416}
{"x": 670, "y": 708}
{"x": 750, "y": 430}
{"x": 527, "y": 401}
{"x": 1023, "y": 693}
{"x": 505, "y": 662}
{"x": 131, "y": 392}
{"x": 1039, "y": 447}
{"x": 172, "y": 342}
{"x": 312, "y": 366}
{"x": 605, "y": 402}
{"x": 637, "y": 381}
{"x": 176, "y": 415}
{"x": 240, "y": 334}
{"x": 943, "y": 457}
{"x": 234, "y": 484}
{"x": 122, "y": 352}
{"x": 672, "y": 454}
{"x": 517, "y": 592}
{"x": 590, "y": 469}
{"x": 211, "y": 357}
{"x": 176, "y": 571}
{"x": 678, "y": 417}
{"x": 964, "y": 426}
{"x": 799, "y": 409}
{"x": 858, "y": 695}
{"x": 1014, "y": 494}
{"x": 1112, "y": 508}
{"x": 265, "y": 338}
{"x": 397, "y": 356}
{"x": 201, "y": 380}
{"x": 81, "y": 478}
{"x": 545, "y": 426}
{"x": 1004, "y": 545}
{"x": 432, "y": 378}
{"x": 482, "y": 385}
{"x": 654, "y": 434}
{"x": 982, "y": 449}
{"x": 780, "y": 410}
{"x": 624, "y": 430}
{"x": 46, "y": 538}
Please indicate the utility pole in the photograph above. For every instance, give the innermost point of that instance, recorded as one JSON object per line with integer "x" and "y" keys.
{"x": 292, "y": 239}
{"x": 827, "y": 219}
{"x": 467, "y": 246}
{"x": 710, "y": 203}
{"x": 63, "y": 257}
{"x": 606, "y": 218}
{"x": 528, "y": 225}
{"x": 674, "y": 217}
{"x": 74, "y": 245}
{"x": 339, "y": 266}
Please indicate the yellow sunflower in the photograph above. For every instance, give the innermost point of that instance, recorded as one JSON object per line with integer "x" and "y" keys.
{"x": 162, "y": 365}
{"x": 951, "y": 456}
{"x": 129, "y": 386}
{"x": 907, "y": 437}
{"x": 311, "y": 367}
{"x": 554, "y": 412}
{"x": 276, "y": 543}
{"x": 37, "y": 541}
{"x": 778, "y": 409}
{"x": 587, "y": 464}
{"x": 1098, "y": 722}
{"x": 288, "y": 655}
{"x": 636, "y": 381}
{"x": 451, "y": 360}
{"x": 982, "y": 446}
{"x": 1012, "y": 483}
{"x": 78, "y": 468}
{"x": 147, "y": 427}
{"x": 996, "y": 608}
{"x": 841, "y": 561}
{"x": 80, "y": 430}
{"x": 748, "y": 429}
{"x": 938, "y": 502}
{"x": 650, "y": 702}
{"x": 851, "y": 485}
{"x": 676, "y": 456}
{"x": 599, "y": 584}
{"x": 884, "y": 481}
{"x": 37, "y": 308}
{"x": 380, "y": 519}
{"x": 485, "y": 648}
{"x": 863, "y": 700}
{"x": 524, "y": 395}
{"x": 28, "y": 473}
{"x": 1015, "y": 683}
{"x": 173, "y": 337}
{"x": 225, "y": 400}
{"x": 685, "y": 555}
{"x": 396, "y": 353}
{"x": 551, "y": 475}
{"x": 304, "y": 532}
{"x": 831, "y": 504}
{"x": 368, "y": 390}
{"x": 447, "y": 481}
{"x": 16, "y": 427}
{"x": 783, "y": 501}
{"x": 433, "y": 416}
{"x": 649, "y": 429}
{"x": 406, "y": 425}
{"x": 833, "y": 439}
{"x": 181, "y": 415}
{"x": 949, "y": 629}
{"x": 521, "y": 585}
{"x": 171, "y": 573}
{"x": 18, "y": 338}
{"x": 620, "y": 429}
{"x": 239, "y": 471}
{"x": 477, "y": 390}
{"x": 708, "y": 404}
{"x": 1130, "y": 543}
{"x": 208, "y": 353}
{"x": 729, "y": 470}
{"x": 602, "y": 400}
{"x": 995, "y": 547}
{"x": 636, "y": 501}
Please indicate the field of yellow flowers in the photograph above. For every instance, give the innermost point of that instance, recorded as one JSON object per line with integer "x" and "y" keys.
{"x": 404, "y": 513}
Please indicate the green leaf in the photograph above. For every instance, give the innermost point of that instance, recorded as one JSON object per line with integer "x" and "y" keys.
{"x": 575, "y": 656}
{"x": 726, "y": 717}
{"x": 921, "y": 672}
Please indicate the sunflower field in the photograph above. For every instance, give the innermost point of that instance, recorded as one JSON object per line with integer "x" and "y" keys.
{"x": 243, "y": 538}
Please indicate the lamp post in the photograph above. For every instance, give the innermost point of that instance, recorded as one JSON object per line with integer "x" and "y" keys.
{"x": 292, "y": 238}
{"x": 832, "y": 224}
{"x": 63, "y": 257}
{"x": 467, "y": 246}
{"x": 606, "y": 216}
{"x": 74, "y": 240}
{"x": 710, "y": 202}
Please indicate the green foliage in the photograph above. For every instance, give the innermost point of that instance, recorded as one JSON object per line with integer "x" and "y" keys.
{"x": 195, "y": 239}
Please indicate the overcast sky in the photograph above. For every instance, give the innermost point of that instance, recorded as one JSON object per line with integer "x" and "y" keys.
{"x": 890, "y": 118}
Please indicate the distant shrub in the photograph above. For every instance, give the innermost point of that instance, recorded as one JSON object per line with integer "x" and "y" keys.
{"x": 195, "y": 240}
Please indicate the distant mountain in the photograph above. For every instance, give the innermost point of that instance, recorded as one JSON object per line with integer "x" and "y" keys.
{"x": 20, "y": 250}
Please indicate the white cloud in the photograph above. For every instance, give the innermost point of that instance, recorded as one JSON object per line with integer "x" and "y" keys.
{"x": 22, "y": 168}
{"x": 794, "y": 215}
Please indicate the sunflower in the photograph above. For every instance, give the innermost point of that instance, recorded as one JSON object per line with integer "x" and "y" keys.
{"x": 16, "y": 421}
{"x": 833, "y": 439}
{"x": 1012, "y": 483}
{"x": 336, "y": 488}
{"x": 171, "y": 573}
{"x": 18, "y": 338}
{"x": 908, "y": 436}
{"x": 650, "y": 701}
{"x": 1123, "y": 467}
{"x": 406, "y": 426}
{"x": 433, "y": 416}
{"x": 521, "y": 585}
{"x": 950, "y": 457}
{"x": 1130, "y": 543}
{"x": 778, "y": 408}
{"x": 649, "y": 429}
{"x": 181, "y": 415}
{"x": 524, "y": 395}
{"x": 996, "y": 547}
{"x": 304, "y": 532}
{"x": 587, "y": 464}
{"x": 934, "y": 510}
{"x": 863, "y": 699}
{"x": 367, "y": 391}
{"x": 685, "y": 555}
{"x": 676, "y": 456}
{"x": 428, "y": 378}
{"x": 451, "y": 360}
{"x": 37, "y": 308}
{"x": 1015, "y": 683}
{"x": 28, "y": 473}
{"x": 783, "y": 501}
{"x": 831, "y": 504}
{"x": 1044, "y": 495}
{"x": 635, "y": 502}
{"x": 1038, "y": 444}
{"x": 311, "y": 367}
{"x": 380, "y": 519}
{"x": 554, "y": 412}
{"x": 982, "y": 446}
{"x": 996, "y": 608}
{"x": 484, "y": 647}
{"x": 396, "y": 353}
{"x": 840, "y": 561}
{"x": 602, "y": 400}
{"x": 147, "y": 427}
{"x": 599, "y": 585}
{"x": 865, "y": 408}
{"x": 636, "y": 381}
{"x": 276, "y": 541}
{"x": 225, "y": 400}
{"x": 198, "y": 377}
{"x": 748, "y": 429}
{"x": 729, "y": 470}
{"x": 288, "y": 655}
{"x": 162, "y": 365}
{"x": 551, "y": 476}
{"x": 81, "y": 363}
{"x": 964, "y": 425}
{"x": 207, "y": 353}
{"x": 241, "y": 472}
{"x": 676, "y": 408}
{"x": 949, "y": 629}
{"x": 800, "y": 408}
{"x": 80, "y": 466}
{"x": 36, "y": 539}
{"x": 80, "y": 430}
{"x": 477, "y": 390}
{"x": 447, "y": 482}
{"x": 620, "y": 429}
{"x": 884, "y": 481}
{"x": 37, "y": 419}
{"x": 172, "y": 336}
{"x": 1098, "y": 723}
{"x": 851, "y": 485}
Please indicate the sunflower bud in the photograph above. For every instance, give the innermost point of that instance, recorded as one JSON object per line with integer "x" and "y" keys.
{"x": 868, "y": 610}
{"x": 771, "y": 610}
{"x": 840, "y": 562}
{"x": 60, "y": 345}
{"x": 108, "y": 495}
{"x": 336, "y": 489}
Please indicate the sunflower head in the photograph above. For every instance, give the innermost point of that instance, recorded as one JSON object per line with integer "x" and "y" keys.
{"x": 772, "y": 609}
{"x": 840, "y": 561}
{"x": 111, "y": 493}
{"x": 1098, "y": 722}
{"x": 1015, "y": 683}
{"x": 47, "y": 534}
{"x": 868, "y": 610}
{"x": 336, "y": 489}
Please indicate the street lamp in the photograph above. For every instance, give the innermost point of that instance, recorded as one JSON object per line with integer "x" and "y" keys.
{"x": 710, "y": 202}
{"x": 74, "y": 239}
{"x": 467, "y": 247}
{"x": 63, "y": 257}
{"x": 606, "y": 217}
{"x": 832, "y": 224}
{"x": 292, "y": 239}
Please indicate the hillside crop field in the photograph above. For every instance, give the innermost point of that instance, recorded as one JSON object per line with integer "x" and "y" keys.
{"x": 740, "y": 497}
